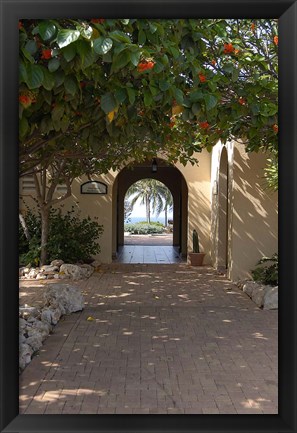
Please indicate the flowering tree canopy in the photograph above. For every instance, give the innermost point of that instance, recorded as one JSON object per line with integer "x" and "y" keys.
{"x": 102, "y": 91}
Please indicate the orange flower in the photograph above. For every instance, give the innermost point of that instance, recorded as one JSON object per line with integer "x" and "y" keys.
{"x": 213, "y": 62}
{"x": 97, "y": 20}
{"x": 202, "y": 78}
{"x": 46, "y": 54}
{"x": 242, "y": 101}
{"x": 25, "y": 100}
{"x": 275, "y": 40}
{"x": 236, "y": 52}
{"x": 204, "y": 125}
{"x": 143, "y": 66}
{"x": 20, "y": 25}
{"x": 228, "y": 48}
{"x": 275, "y": 128}
{"x": 171, "y": 124}
{"x": 253, "y": 26}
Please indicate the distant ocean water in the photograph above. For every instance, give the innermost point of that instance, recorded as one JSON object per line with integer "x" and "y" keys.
{"x": 160, "y": 219}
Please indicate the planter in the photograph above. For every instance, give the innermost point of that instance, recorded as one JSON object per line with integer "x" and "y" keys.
{"x": 196, "y": 259}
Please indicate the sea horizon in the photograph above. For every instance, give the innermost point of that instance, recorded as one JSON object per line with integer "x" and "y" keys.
{"x": 136, "y": 219}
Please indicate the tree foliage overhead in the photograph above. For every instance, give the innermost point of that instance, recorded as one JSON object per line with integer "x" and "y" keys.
{"x": 107, "y": 90}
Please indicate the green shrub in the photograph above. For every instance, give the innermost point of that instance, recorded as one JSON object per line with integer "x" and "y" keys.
{"x": 143, "y": 228}
{"x": 267, "y": 274}
{"x": 70, "y": 238}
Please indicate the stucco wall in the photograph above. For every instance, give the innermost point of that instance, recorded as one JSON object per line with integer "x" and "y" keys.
{"x": 252, "y": 211}
{"x": 199, "y": 201}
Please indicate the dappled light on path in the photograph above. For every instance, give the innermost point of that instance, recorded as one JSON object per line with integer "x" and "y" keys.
{"x": 163, "y": 339}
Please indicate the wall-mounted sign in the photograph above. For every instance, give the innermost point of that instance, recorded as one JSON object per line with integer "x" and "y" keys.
{"x": 93, "y": 187}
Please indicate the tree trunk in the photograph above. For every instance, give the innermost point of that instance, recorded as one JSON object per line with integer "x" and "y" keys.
{"x": 44, "y": 234}
{"x": 148, "y": 209}
{"x": 24, "y": 226}
{"x": 166, "y": 216}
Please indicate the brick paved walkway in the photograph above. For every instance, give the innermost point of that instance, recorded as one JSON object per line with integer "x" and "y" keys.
{"x": 165, "y": 339}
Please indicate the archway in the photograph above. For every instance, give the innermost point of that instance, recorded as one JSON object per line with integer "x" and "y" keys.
{"x": 147, "y": 204}
{"x": 172, "y": 178}
{"x": 223, "y": 211}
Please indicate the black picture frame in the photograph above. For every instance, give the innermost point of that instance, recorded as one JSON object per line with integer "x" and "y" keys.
{"x": 11, "y": 11}
{"x": 98, "y": 183}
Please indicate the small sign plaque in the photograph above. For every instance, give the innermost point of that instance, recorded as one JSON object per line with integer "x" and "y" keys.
{"x": 93, "y": 187}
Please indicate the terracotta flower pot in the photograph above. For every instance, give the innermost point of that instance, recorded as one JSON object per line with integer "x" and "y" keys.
{"x": 196, "y": 259}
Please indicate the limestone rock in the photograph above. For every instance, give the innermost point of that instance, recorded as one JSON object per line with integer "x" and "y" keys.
{"x": 249, "y": 287}
{"x": 57, "y": 263}
{"x": 49, "y": 269}
{"x": 51, "y": 315}
{"x": 25, "y": 353}
{"x": 64, "y": 296}
{"x": 258, "y": 295}
{"x": 87, "y": 270}
{"x": 43, "y": 327}
{"x": 73, "y": 271}
{"x": 33, "y": 273}
{"x": 40, "y": 277}
{"x": 270, "y": 301}
{"x": 76, "y": 271}
{"x": 27, "y": 311}
{"x": 35, "y": 341}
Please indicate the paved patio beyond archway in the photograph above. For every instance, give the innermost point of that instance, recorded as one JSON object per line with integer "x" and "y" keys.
{"x": 163, "y": 339}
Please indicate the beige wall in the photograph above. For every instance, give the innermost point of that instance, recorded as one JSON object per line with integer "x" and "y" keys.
{"x": 199, "y": 210}
{"x": 252, "y": 211}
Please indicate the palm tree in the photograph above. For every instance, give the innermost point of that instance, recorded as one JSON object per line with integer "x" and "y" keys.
{"x": 150, "y": 192}
{"x": 168, "y": 202}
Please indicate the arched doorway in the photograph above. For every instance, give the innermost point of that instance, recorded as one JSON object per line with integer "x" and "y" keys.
{"x": 223, "y": 212}
{"x": 172, "y": 178}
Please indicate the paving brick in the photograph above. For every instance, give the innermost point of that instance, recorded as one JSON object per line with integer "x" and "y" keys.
{"x": 196, "y": 348}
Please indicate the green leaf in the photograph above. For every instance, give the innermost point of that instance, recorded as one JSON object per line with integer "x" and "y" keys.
{"x": 69, "y": 52}
{"x": 47, "y": 30}
{"x": 134, "y": 57}
{"x": 235, "y": 75}
{"x": 70, "y": 85}
{"x": 120, "y": 61}
{"x": 120, "y": 37}
{"x": 148, "y": 99}
{"x": 179, "y": 96}
{"x": 102, "y": 45}
{"x": 22, "y": 72}
{"x": 47, "y": 96}
{"x": 59, "y": 77}
{"x": 86, "y": 32}
{"x": 131, "y": 95}
{"x": 196, "y": 96}
{"x": 141, "y": 37}
{"x": 121, "y": 95}
{"x": 34, "y": 76}
{"x": 57, "y": 112}
{"x": 48, "y": 80}
{"x": 108, "y": 102}
{"x": 85, "y": 52}
{"x": 125, "y": 22}
{"x": 53, "y": 64}
{"x": 164, "y": 85}
{"x": 196, "y": 108}
{"x": 153, "y": 27}
{"x": 210, "y": 101}
{"x": 66, "y": 37}
{"x": 28, "y": 55}
{"x": 23, "y": 127}
{"x": 31, "y": 47}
